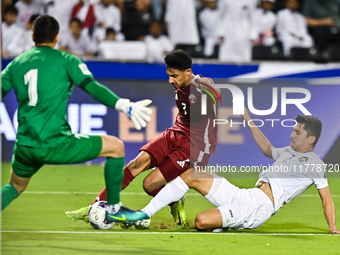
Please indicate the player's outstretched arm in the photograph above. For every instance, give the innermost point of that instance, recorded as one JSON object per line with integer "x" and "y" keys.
{"x": 261, "y": 140}
{"x": 6, "y": 80}
{"x": 328, "y": 208}
{"x": 138, "y": 112}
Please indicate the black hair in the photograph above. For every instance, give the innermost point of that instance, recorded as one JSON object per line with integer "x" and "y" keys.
{"x": 45, "y": 29}
{"x": 33, "y": 18}
{"x": 313, "y": 126}
{"x": 179, "y": 60}
{"x": 110, "y": 30}
{"x": 80, "y": 23}
{"x": 11, "y": 9}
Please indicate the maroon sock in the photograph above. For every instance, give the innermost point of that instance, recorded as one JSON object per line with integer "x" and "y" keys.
{"x": 128, "y": 177}
{"x": 101, "y": 196}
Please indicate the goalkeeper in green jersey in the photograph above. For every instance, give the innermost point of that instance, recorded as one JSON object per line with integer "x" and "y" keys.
{"x": 42, "y": 79}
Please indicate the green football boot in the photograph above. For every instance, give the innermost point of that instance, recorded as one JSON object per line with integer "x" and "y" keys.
{"x": 125, "y": 214}
{"x": 143, "y": 223}
{"x": 178, "y": 213}
{"x": 139, "y": 224}
{"x": 80, "y": 214}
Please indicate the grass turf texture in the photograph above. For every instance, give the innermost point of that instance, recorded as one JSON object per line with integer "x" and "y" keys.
{"x": 56, "y": 189}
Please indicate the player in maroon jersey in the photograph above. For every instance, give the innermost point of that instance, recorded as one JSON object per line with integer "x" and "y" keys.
{"x": 170, "y": 153}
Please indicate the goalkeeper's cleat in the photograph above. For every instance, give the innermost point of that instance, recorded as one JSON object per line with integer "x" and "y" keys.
{"x": 80, "y": 214}
{"x": 143, "y": 223}
{"x": 178, "y": 213}
{"x": 125, "y": 214}
{"x": 139, "y": 224}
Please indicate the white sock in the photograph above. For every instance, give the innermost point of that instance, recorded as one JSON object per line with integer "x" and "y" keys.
{"x": 172, "y": 192}
{"x": 113, "y": 209}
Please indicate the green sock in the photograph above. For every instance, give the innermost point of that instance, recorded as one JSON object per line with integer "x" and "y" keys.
{"x": 8, "y": 194}
{"x": 113, "y": 172}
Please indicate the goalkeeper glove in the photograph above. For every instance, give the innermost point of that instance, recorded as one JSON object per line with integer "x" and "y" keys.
{"x": 137, "y": 112}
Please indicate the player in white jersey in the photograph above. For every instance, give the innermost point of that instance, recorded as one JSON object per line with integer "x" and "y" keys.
{"x": 290, "y": 175}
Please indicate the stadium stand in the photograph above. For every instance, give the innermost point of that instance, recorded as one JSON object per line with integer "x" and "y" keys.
{"x": 304, "y": 54}
{"x": 137, "y": 15}
{"x": 195, "y": 50}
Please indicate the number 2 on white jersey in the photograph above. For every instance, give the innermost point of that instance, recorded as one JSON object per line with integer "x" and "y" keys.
{"x": 184, "y": 107}
{"x": 31, "y": 77}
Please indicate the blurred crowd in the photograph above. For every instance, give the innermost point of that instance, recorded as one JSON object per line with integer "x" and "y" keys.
{"x": 228, "y": 30}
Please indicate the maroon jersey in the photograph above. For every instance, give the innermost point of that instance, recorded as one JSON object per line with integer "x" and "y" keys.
{"x": 190, "y": 121}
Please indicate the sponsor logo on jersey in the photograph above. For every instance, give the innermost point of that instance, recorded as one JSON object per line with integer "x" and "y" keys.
{"x": 192, "y": 98}
{"x": 231, "y": 213}
{"x": 84, "y": 69}
{"x": 182, "y": 163}
{"x": 303, "y": 159}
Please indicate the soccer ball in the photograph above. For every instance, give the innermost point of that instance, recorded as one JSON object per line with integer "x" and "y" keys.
{"x": 97, "y": 216}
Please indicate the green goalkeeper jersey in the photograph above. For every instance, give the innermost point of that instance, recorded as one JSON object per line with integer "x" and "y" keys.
{"x": 42, "y": 79}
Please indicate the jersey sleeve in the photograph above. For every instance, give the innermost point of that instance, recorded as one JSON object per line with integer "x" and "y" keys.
{"x": 6, "y": 80}
{"x": 319, "y": 175}
{"x": 277, "y": 152}
{"x": 78, "y": 71}
{"x": 320, "y": 182}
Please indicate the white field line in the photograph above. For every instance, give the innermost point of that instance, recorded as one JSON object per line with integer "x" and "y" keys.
{"x": 133, "y": 193}
{"x": 169, "y": 233}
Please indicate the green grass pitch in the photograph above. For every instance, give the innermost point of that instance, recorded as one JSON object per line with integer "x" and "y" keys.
{"x": 35, "y": 223}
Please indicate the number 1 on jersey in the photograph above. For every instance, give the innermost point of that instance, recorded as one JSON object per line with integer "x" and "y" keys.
{"x": 31, "y": 77}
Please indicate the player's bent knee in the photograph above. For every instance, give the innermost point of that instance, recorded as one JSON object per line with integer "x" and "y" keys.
{"x": 191, "y": 178}
{"x": 140, "y": 163}
{"x": 19, "y": 187}
{"x": 200, "y": 222}
{"x": 186, "y": 177}
{"x": 148, "y": 186}
{"x": 19, "y": 183}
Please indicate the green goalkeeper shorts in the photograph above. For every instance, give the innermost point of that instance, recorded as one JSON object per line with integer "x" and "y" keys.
{"x": 26, "y": 161}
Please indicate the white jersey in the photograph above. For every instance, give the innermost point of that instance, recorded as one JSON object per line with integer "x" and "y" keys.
{"x": 61, "y": 10}
{"x": 81, "y": 46}
{"x": 264, "y": 20}
{"x": 25, "y": 11}
{"x": 291, "y": 26}
{"x": 235, "y": 25}
{"x": 289, "y": 22}
{"x": 109, "y": 15}
{"x": 209, "y": 19}
{"x": 26, "y": 40}
{"x": 181, "y": 19}
{"x": 11, "y": 39}
{"x": 292, "y": 173}
{"x": 158, "y": 47}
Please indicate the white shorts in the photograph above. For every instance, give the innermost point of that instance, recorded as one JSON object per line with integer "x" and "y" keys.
{"x": 240, "y": 208}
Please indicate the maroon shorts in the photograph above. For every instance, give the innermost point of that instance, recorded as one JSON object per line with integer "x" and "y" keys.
{"x": 171, "y": 153}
